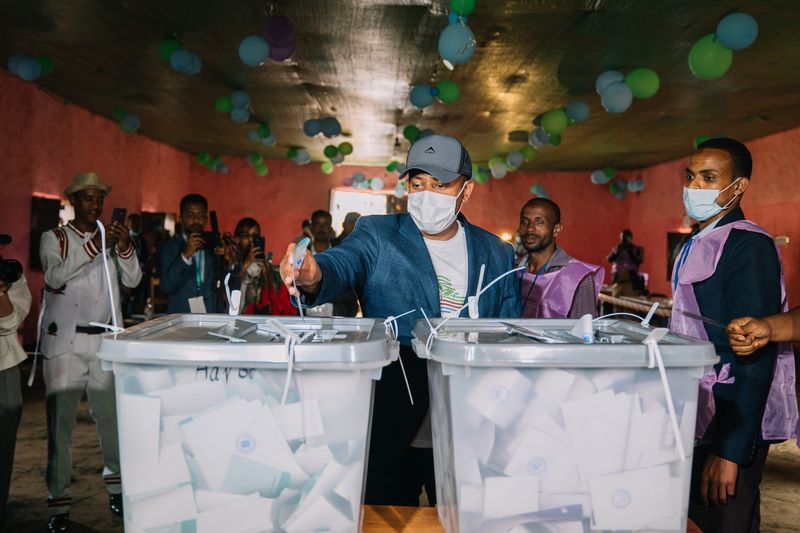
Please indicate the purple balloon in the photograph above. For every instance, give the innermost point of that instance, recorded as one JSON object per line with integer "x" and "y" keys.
{"x": 347, "y": 182}
{"x": 280, "y": 53}
{"x": 278, "y": 31}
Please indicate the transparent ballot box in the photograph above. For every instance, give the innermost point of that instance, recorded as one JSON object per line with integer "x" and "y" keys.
{"x": 544, "y": 426}
{"x": 245, "y": 424}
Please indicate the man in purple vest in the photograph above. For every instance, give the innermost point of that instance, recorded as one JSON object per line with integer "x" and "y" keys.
{"x": 730, "y": 268}
{"x": 554, "y": 285}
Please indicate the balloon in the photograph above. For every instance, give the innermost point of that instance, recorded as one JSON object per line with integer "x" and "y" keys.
{"x": 346, "y": 148}
{"x": 223, "y": 104}
{"x": 607, "y": 78}
{"x": 610, "y": 172}
{"x": 358, "y": 177}
{"x": 538, "y": 190}
{"x": 700, "y": 139}
{"x": 449, "y": 92}
{"x": 312, "y": 127}
{"x": 253, "y": 51}
{"x": 29, "y": 69}
{"x": 281, "y": 53}
{"x": 481, "y": 176}
{"x": 555, "y": 121}
{"x": 303, "y": 157}
{"x": 425, "y": 133}
{"x": 222, "y": 168}
{"x": 197, "y": 65}
{"x": 456, "y": 44}
{"x": 411, "y": 133}
{"x": 262, "y": 169}
{"x": 555, "y": 140}
{"x": 330, "y": 127}
{"x": 376, "y": 184}
{"x": 214, "y": 163}
{"x": 495, "y": 160}
{"x": 181, "y": 60}
{"x": 399, "y": 190}
{"x": 463, "y": 7}
{"x": 533, "y": 139}
{"x": 347, "y": 182}
{"x": 499, "y": 171}
{"x": 203, "y": 158}
{"x": 599, "y": 177}
{"x": 264, "y": 131}
{"x": 643, "y": 82}
{"x": 278, "y": 31}
{"x": 46, "y": 63}
{"x": 240, "y": 99}
{"x": 330, "y": 151}
{"x": 737, "y": 31}
{"x": 392, "y": 166}
{"x": 270, "y": 141}
{"x": 541, "y": 136}
{"x": 166, "y": 47}
{"x": 291, "y": 153}
{"x": 528, "y": 153}
{"x": 577, "y": 111}
{"x": 338, "y": 158}
{"x": 130, "y": 123}
{"x": 614, "y": 188}
{"x": 421, "y": 96}
{"x": 514, "y": 160}
{"x": 453, "y": 18}
{"x": 13, "y": 63}
{"x": 620, "y": 195}
{"x": 240, "y": 115}
{"x": 617, "y": 97}
{"x": 708, "y": 59}
{"x": 253, "y": 136}
{"x": 255, "y": 158}
{"x": 119, "y": 113}
{"x": 326, "y": 167}
{"x": 623, "y": 184}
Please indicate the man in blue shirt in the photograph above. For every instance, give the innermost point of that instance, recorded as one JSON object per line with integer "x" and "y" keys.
{"x": 428, "y": 258}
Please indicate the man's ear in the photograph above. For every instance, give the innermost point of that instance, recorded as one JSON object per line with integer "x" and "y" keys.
{"x": 557, "y": 229}
{"x": 468, "y": 188}
{"x": 741, "y": 185}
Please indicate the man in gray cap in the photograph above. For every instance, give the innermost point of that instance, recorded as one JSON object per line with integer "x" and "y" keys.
{"x": 429, "y": 258}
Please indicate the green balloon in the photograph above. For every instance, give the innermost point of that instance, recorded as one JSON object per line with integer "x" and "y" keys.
{"x": 119, "y": 113}
{"x": 330, "y": 151}
{"x": 203, "y": 158}
{"x": 643, "y": 82}
{"x": 255, "y": 159}
{"x": 463, "y": 7}
{"x": 261, "y": 169}
{"x": 529, "y": 153}
{"x": 264, "y": 131}
{"x": 411, "y": 132}
{"x": 708, "y": 59}
{"x": 291, "y": 153}
{"x": 555, "y": 140}
{"x": 166, "y": 48}
{"x": 480, "y": 176}
{"x": 326, "y": 167}
{"x": 346, "y": 148}
{"x": 214, "y": 163}
{"x": 700, "y": 139}
{"x": 614, "y": 187}
{"x": 610, "y": 172}
{"x": 223, "y": 104}
{"x": 555, "y": 121}
{"x": 449, "y": 92}
{"x": 391, "y": 167}
{"x": 496, "y": 160}
{"x": 46, "y": 63}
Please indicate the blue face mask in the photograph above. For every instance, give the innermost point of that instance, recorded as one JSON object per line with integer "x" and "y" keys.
{"x": 701, "y": 204}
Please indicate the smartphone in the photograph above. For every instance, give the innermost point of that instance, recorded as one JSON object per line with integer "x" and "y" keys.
{"x": 214, "y": 224}
{"x": 300, "y": 252}
{"x": 258, "y": 241}
{"x": 118, "y": 215}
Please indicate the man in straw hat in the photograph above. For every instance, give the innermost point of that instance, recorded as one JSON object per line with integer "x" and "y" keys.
{"x": 76, "y": 298}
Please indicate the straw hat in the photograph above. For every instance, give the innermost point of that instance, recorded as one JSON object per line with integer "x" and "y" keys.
{"x": 86, "y": 180}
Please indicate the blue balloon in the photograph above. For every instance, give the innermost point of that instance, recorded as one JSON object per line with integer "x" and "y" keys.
{"x": 452, "y": 18}
{"x": 28, "y": 69}
{"x": 253, "y": 136}
{"x": 196, "y": 65}
{"x": 541, "y": 135}
{"x": 13, "y": 63}
{"x": 607, "y": 78}
{"x": 737, "y": 31}
{"x": 599, "y": 177}
{"x": 578, "y": 111}
{"x": 253, "y": 51}
{"x": 130, "y": 123}
{"x": 457, "y": 44}
{"x": 222, "y": 168}
{"x": 376, "y": 184}
{"x": 617, "y": 97}
{"x": 240, "y": 115}
{"x": 239, "y": 99}
{"x": 181, "y": 60}
{"x": 514, "y": 160}
{"x": 272, "y": 140}
{"x": 330, "y": 127}
{"x": 312, "y": 127}
{"x": 421, "y": 96}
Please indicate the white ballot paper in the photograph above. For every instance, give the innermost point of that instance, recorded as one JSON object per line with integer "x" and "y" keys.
{"x": 500, "y": 395}
{"x": 139, "y": 426}
{"x": 192, "y": 397}
{"x": 164, "y": 509}
{"x": 248, "y": 514}
{"x": 509, "y": 496}
{"x": 630, "y": 500}
{"x": 169, "y": 471}
{"x": 544, "y": 457}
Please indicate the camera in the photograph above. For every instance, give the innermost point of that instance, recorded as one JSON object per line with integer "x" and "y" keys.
{"x": 258, "y": 241}
{"x": 211, "y": 240}
{"x": 10, "y": 271}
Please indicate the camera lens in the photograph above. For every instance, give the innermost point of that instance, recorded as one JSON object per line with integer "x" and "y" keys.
{"x": 10, "y": 271}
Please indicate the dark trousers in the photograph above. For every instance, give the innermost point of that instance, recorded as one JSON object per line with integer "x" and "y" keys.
{"x": 742, "y": 513}
{"x": 401, "y": 482}
{"x": 10, "y": 414}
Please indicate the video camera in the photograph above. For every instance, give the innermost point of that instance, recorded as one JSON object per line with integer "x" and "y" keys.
{"x": 10, "y": 271}
{"x": 212, "y": 239}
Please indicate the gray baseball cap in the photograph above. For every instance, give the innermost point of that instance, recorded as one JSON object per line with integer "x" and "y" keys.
{"x": 441, "y": 156}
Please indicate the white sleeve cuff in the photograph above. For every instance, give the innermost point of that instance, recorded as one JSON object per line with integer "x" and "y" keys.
{"x": 187, "y": 261}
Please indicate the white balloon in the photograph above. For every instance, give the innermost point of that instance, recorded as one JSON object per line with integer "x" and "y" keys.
{"x": 338, "y": 158}
{"x": 376, "y": 184}
{"x": 514, "y": 160}
{"x": 499, "y": 170}
{"x": 599, "y": 177}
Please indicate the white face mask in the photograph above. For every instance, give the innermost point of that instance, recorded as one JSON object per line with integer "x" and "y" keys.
{"x": 701, "y": 204}
{"x": 433, "y": 212}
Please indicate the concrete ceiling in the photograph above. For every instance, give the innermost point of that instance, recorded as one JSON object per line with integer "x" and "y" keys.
{"x": 357, "y": 59}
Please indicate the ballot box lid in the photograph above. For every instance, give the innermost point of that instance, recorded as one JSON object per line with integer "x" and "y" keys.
{"x": 550, "y": 343}
{"x": 319, "y": 342}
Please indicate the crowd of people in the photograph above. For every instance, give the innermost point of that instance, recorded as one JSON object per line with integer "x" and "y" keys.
{"x": 429, "y": 258}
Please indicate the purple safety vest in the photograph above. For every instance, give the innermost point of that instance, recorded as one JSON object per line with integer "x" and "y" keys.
{"x": 780, "y": 414}
{"x": 553, "y": 293}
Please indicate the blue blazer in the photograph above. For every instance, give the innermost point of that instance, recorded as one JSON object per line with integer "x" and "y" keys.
{"x": 178, "y": 280}
{"x": 386, "y": 261}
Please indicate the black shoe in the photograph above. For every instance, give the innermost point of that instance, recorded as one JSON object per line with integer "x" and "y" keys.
{"x": 115, "y": 504}
{"x": 58, "y": 523}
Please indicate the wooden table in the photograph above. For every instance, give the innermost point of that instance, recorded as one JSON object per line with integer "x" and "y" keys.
{"x": 396, "y": 519}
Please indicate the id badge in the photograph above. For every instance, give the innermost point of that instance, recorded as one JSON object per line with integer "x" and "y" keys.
{"x": 197, "y": 305}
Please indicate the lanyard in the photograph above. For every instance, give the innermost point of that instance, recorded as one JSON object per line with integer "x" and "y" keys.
{"x": 684, "y": 255}
{"x": 198, "y": 269}
{"x": 547, "y": 264}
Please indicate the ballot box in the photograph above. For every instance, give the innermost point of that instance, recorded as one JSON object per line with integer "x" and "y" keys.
{"x": 539, "y": 426}
{"x": 245, "y": 424}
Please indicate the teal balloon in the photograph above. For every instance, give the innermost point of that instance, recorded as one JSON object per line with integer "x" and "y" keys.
{"x": 708, "y": 59}
{"x": 181, "y": 60}
{"x": 330, "y": 127}
{"x": 312, "y": 127}
{"x": 13, "y": 63}
{"x": 240, "y": 99}
{"x": 577, "y": 111}
{"x": 196, "y": 65}
{"x": 607, "y": 78}
{"x": 737, "y": 31}
{"x": 240, "y": 115}
{"x": 457, "y": 44}
{"x": 253, "y": 51}
{"x": 29, "y": 69}
{"x": 421, "y": 96}
{"x": 599, "y": 177}
{"x": 130, "y": 123}
{"x": 617, "y": 97}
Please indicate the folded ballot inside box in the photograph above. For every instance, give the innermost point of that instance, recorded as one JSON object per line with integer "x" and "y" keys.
{"x": 226, "y": 426}
{"x": 546, "y": 432}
